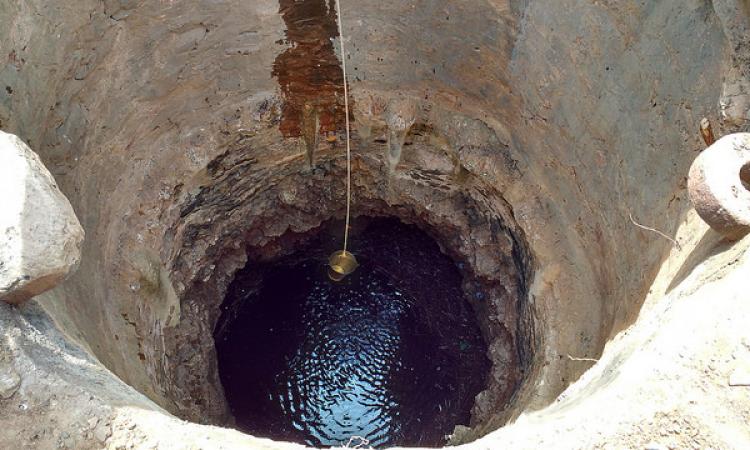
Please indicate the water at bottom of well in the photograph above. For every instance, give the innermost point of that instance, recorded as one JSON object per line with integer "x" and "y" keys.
{"x": 317, "y": 362}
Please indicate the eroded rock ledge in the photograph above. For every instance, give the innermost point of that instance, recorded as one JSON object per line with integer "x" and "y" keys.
{"x": 253, "y": 203}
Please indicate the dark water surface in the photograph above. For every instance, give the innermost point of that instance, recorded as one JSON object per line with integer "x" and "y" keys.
{"x": 391, "y": 354}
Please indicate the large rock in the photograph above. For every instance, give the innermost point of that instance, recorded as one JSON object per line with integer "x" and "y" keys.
{"x": 40, "y": 236}
{"x": 718, "y": 185}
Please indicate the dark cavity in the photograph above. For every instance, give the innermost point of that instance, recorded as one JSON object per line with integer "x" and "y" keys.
{"x": 392, "y": 354}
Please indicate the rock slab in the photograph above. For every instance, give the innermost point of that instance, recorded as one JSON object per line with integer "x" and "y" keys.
{"x": 40, "y": 236}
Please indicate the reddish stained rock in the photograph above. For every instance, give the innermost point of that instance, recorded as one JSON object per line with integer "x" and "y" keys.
{"x": 309, "y": 72}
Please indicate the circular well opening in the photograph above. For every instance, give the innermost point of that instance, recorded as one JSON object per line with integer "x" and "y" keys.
{"x": 392, "y": 354}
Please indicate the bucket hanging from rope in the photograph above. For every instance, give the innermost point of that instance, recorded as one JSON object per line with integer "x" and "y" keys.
{"x": 342, "y": 262}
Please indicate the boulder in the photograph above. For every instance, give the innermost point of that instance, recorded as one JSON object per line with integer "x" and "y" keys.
{"x": 40, "y": 236}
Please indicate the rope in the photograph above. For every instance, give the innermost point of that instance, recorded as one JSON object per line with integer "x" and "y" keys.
{"x": 348, "y": 144}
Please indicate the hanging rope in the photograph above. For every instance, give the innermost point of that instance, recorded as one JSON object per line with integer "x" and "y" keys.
{"x": 348, "y": 140}
{"x": 342, "y": 263}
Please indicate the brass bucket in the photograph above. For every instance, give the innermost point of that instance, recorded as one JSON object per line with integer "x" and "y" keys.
{"x": 341, "y": 264}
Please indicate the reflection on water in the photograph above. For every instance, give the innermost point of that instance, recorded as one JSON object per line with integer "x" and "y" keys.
{"x": 316, "y": 362}
{"x": 335, "y": 384}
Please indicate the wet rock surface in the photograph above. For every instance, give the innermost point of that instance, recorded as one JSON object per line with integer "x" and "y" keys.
{"x": 392, "y": 354}
{"x": 309, "y": 72}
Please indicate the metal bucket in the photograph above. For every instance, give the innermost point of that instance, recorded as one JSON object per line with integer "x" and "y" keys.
{"x": 341, "y": 264}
